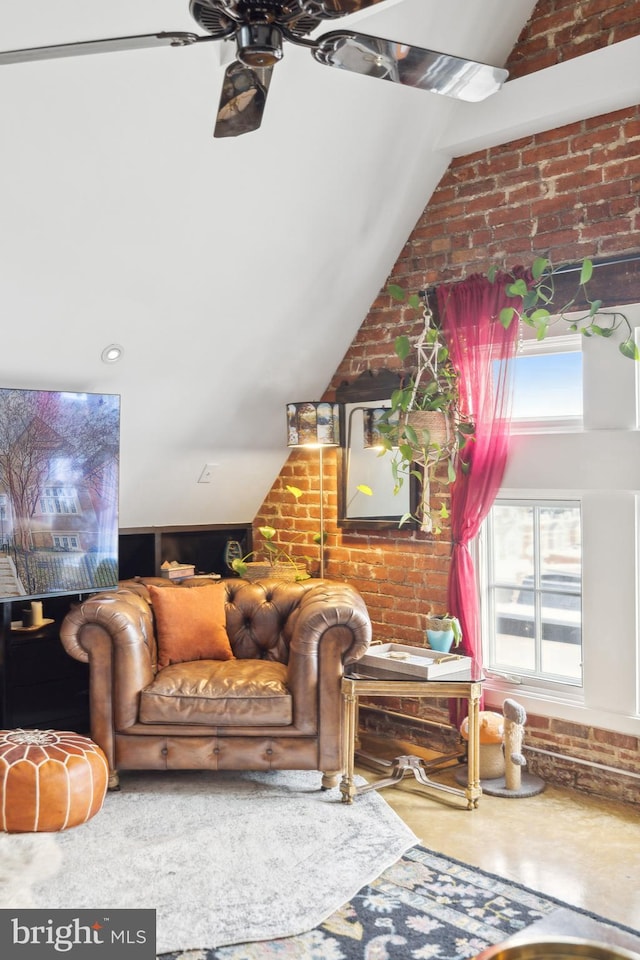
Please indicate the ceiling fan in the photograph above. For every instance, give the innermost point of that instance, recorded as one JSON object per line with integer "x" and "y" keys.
{"x": 259, "y": 28}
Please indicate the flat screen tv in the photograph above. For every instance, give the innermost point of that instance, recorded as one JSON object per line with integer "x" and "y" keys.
{"x": 59, "y": 472}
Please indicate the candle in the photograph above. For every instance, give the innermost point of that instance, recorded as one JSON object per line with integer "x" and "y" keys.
{"x": 36, "y": 613}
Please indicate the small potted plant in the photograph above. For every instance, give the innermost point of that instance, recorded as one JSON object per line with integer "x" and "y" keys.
{"x": 443, "y": 632}
{"x": 277, "y": 562}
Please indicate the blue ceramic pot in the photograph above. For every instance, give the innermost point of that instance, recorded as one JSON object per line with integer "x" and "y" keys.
{"x": 440, "y": 640}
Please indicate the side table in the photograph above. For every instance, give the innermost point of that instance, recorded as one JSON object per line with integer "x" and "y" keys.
{"x": 377, "y": 683}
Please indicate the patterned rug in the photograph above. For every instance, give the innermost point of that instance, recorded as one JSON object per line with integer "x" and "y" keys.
{"x": 424, "y": 907}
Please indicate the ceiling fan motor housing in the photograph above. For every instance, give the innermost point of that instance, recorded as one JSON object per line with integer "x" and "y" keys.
{"x": 259, "y": 44}
{"x": 224, "y": 18}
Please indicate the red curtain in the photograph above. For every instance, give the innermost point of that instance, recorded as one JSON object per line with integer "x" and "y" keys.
{"x": 480, "y": 348}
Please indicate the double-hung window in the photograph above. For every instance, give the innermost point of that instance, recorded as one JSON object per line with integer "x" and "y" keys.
{"x": 560, "y": 550}
{"x": 534, "y": 590}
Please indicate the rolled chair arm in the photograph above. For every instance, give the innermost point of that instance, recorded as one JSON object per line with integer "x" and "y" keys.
{"x": 330, "y": 628}
{"x": 125, "y": 617}
{"x": 332, "y": 604}
{"x": 112, "y": 631}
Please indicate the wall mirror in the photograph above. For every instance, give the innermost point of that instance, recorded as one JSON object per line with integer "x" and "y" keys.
{"x": 361, "y": 463}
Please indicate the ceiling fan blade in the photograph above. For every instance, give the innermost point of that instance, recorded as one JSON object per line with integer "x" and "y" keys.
{"x": 243, "y": 99}
{"x": 412, "y": 66}
{"x": 340, "y": 8}
{"x": 100, "y": 46}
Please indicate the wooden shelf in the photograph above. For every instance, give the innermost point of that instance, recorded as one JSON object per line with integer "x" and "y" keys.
{"x": 143, "y": 550}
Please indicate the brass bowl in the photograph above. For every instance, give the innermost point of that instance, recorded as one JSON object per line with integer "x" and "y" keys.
{"x": 557, "y": 948}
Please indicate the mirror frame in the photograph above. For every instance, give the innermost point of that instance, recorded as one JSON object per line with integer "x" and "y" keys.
{"x": 369, "y": 387}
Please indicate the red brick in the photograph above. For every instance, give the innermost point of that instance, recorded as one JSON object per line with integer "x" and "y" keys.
{"x": 538, "y": 723}
{"x": 567, "y": 729}
{"x": 606, "y": 120}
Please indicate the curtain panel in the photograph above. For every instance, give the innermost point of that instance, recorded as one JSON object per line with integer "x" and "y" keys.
{"x": 480, "y": 349}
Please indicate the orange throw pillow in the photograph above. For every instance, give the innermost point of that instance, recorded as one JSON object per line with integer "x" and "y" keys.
{"x": 190, "y": 624}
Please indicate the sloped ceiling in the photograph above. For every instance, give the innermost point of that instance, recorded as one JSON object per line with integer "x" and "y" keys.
{"x": 235, "y": 273}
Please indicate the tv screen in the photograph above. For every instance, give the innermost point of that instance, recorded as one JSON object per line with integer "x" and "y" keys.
{"x": 59, "y": 463}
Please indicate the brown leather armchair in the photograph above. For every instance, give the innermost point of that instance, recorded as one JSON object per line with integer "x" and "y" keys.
{"x": 277, "y": 705}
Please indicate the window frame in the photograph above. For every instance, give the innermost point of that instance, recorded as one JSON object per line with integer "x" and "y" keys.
{"x": 610, "y": 497}
{"x": 73, "y": 546}
{"x": 59, "y": 500}
{"x": 537, "y": 678}
{"x": 599, "y": 467}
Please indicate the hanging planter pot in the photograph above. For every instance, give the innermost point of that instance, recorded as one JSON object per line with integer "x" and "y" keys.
{"x": 430, "y": 435}
{"x": 431, "y": 429}
{"x": 433, "y": 426}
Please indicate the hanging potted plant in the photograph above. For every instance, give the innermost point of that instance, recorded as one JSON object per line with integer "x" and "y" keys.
{"x": 423, "y": 428}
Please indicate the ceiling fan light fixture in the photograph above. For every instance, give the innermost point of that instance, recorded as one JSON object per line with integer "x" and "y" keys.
{"x": 259, "y": 44}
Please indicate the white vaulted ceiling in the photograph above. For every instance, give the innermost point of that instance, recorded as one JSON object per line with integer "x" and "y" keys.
{"x": 235, "y": 273}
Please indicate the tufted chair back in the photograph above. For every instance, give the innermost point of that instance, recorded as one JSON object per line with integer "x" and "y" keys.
{"x": 260, "y": 615}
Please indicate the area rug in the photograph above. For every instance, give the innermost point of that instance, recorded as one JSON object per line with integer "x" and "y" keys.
{"x": 424, "y": 907}
{"x": 224, "y": 857}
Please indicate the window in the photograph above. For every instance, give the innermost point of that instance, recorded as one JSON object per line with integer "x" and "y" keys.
{"x": 569, "y": 507}
{"x": 58, "y": 500}
{"x": 65, "y": 543}
{"x": 534, "y": 590}
{"x": 547, "y": 384}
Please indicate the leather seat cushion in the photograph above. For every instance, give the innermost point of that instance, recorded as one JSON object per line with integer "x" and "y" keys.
{"x": 219, "y": 693}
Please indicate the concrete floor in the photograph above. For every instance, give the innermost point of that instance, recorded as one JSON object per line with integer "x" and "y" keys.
{"x": 580, "y": 849}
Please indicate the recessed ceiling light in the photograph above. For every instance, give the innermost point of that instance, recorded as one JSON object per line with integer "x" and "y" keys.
{"x": 112, "y": 353}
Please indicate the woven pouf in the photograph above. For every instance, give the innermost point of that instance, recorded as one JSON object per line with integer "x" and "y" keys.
{"x": 49, "y": 780}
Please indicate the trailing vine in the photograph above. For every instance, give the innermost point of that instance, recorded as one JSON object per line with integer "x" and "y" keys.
{"x": 539, "y": 309}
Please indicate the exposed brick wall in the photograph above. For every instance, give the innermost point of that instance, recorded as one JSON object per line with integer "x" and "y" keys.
{"x": 615, "y": 751}
{"x": 562, "y": 29}
{"x": 568, "y": 193}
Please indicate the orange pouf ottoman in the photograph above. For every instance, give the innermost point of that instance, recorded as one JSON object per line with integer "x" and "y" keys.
{"x": 49, "y": 780}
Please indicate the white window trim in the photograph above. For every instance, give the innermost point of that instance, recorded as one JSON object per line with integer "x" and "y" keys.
{"x": 610, "y": 695}
{"x": 570, "y": 689}
{"x": 600, "y": 467}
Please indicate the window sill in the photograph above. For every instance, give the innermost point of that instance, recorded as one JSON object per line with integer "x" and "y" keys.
{"x": 555, "y": 425}
{"x": 557, "y": 705}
